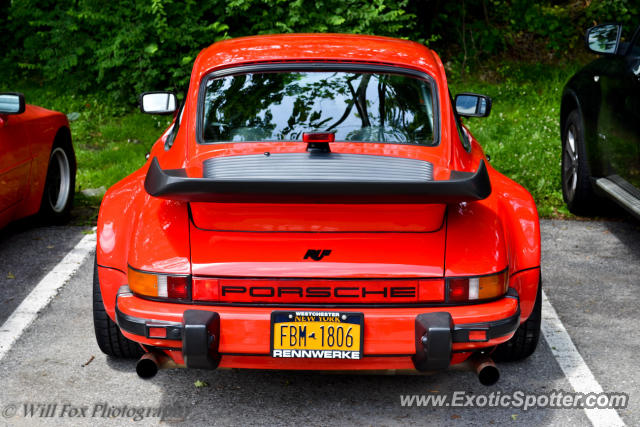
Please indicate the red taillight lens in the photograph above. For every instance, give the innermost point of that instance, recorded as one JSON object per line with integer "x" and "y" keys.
{"x": 177, "y": 287}
{"x": 431, "y": 290}
{"x": 458, "y": 290}
{"x": 205, "y": 289}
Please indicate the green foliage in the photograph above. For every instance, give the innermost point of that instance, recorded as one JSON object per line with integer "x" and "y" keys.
{"x": 125, "y": 48}
{"x": 341, "y": 16}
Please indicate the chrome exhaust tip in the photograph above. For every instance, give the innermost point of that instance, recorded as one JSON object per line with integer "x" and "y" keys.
{"x": 147, "y": 367}
{"x": 486, "y": 370}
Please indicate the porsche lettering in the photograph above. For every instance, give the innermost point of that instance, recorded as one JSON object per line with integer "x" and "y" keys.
{"x": 228, "y": 292}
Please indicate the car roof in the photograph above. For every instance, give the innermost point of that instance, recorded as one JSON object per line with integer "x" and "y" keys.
{"x": 317, "y": 47}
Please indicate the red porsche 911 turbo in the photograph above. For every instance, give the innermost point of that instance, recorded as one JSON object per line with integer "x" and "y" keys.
{"x": 317, "y": 204}
{"x": 37, "y": 161}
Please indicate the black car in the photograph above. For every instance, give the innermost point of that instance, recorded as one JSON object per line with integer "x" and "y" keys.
{"x": 600, "y": 124}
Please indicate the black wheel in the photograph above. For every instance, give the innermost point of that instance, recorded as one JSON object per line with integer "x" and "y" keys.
{"x": 525, "y": 340}
{"x": 59, "y": 187}
{"x": 110, "y": 339}
{"x": 576, "y": 176}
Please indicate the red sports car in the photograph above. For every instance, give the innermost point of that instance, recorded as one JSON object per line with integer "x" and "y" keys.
{"x": 317, "y": 204}
{"x": 37, "y": 161}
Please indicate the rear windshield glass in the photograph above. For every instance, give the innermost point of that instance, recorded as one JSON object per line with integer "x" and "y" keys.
{"x": 356, "y": 106}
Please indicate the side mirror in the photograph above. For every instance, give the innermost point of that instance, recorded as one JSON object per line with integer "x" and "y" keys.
{"x": 472, "y": 105}
{"x": 604, "y": 39}
{"x": 11, "y": 103}
{"x": 158, "y": 102}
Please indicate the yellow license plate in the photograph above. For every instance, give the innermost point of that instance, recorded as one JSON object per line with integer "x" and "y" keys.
{"x": 317, "y": 334}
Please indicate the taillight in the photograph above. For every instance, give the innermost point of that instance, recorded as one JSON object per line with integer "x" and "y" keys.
{"x": 205, "y": 289}
{"x": 159, "y": 285}
{"x": 478, "y": 288}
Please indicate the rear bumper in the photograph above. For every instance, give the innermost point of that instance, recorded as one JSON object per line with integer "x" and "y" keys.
{"x": 413, "y": 338}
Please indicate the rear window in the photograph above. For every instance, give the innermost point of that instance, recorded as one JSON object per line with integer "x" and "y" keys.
{"x": 356, "y": 106}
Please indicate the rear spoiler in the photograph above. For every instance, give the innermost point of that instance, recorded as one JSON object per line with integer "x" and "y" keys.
{"x": 174, "y": 184}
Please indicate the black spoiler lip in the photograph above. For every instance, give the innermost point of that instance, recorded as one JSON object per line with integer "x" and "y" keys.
{"x": 174, "y": 184}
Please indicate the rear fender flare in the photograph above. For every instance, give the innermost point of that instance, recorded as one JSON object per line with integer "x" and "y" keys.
{"x": 502, "y": 231}
{"x": 522, "y": 238}
{"x": 135, "y": 229}
{"x": 115, "y": 222}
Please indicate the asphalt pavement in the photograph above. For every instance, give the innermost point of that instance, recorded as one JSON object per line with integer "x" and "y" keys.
{"x": 591, "y": 274}
{"x": 27, "y": 253}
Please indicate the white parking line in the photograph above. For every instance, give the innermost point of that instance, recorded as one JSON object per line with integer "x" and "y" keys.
{"x": 572, "y": 364}
{"x": 43, "y": 293}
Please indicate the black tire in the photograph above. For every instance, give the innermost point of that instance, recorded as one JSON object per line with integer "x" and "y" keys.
{"x": 577, "y": 189}
{"x": 60, "y": 184}
{"x": 110, "y": 339}
{"x": 525, "y": 340}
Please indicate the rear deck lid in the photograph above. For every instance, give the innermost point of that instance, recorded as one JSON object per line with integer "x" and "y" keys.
{"x": 318, "y": 218}
{"x": 216, "y": 253}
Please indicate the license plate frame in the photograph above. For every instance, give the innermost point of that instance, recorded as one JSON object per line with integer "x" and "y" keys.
{"x": 318, "y": 318}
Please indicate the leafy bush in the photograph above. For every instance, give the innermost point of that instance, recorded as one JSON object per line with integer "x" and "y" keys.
{"x": 123, "y": 48}
{"x": 128, "y": 47}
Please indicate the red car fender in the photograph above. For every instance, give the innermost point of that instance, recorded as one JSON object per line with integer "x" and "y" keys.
{"x": 160, "y": 236}
{"x": 499, "y": 232}
{"x": 522, "y": 231}
{"x": 475, "y": 239}
{"x": 115, "y": 221}
{"x": 45, "y": 126}
{"x": 144, "y": 232}
{"x": 41, "y": 128}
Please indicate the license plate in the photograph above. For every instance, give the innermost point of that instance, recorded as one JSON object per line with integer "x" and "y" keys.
{"x": 317, "y": 334}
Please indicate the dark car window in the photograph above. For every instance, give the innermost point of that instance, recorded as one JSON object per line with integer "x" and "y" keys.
{"x": 626, "y": 35}
{"x": 635, "y": 50}
{"x": 281, "y": 106}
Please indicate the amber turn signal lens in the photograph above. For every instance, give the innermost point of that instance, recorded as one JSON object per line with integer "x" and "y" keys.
{"x": 493, "y": 286}
{"x": 143, "y": 283}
